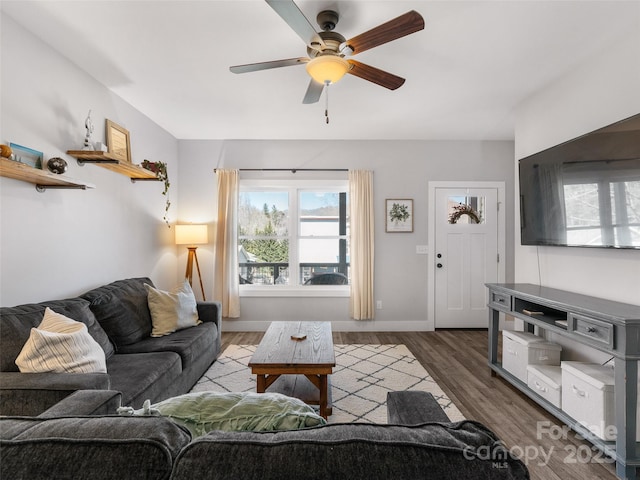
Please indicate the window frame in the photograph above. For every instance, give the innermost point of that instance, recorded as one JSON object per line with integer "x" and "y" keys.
{"x": 294, "y": 187}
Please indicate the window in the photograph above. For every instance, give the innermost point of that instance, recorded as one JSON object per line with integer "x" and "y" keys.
{"x": 293, "y": 236}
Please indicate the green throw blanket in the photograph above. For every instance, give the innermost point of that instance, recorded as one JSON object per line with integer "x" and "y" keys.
{"x": 202, "y": 412}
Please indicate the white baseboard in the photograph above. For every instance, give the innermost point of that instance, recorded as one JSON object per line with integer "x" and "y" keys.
{"x": 231, "y": 325}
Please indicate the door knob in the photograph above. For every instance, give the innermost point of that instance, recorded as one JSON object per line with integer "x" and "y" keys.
{"x": 439, "y": 255}
{"x": 439, "y": 265}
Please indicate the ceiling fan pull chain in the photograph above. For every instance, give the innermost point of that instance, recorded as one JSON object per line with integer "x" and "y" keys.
{"x": 326, "y": 98}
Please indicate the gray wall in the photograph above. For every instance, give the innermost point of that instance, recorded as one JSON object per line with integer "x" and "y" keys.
{"x": 402, "y": 169}
{"x": 63, "y": 242}
{"x": 597, "y": 93}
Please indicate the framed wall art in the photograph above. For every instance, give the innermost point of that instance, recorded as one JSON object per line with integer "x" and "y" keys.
{"x": 25, "y": 155}
{"x": 118, "y": 141}
{"x": 399, "y": 215}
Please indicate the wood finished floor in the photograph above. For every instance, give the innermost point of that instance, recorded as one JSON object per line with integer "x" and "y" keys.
{"x": 457, "y": 359}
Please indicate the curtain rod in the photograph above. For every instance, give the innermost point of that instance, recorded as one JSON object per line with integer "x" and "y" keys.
{"x": 292, "y": 170}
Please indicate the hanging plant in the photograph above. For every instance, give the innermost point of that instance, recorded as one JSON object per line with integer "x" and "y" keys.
{"x": 463, "y": 209}
{"x": 160, "y": 169}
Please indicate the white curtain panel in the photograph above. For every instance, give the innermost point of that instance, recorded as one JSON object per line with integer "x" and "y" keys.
{"x": 226, "y": 285}
{"x": 361, "y": 305}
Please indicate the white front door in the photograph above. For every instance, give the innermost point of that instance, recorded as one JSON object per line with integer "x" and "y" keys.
{"x": 466, "y": 255}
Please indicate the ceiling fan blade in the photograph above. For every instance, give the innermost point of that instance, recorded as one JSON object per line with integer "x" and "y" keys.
{"x": 314, "y": 90}
{"x": 406, "y": 24}
{"x": 254, "y": 67}
{"x": 291, "y": 14}
{"x": 375, "y": 75}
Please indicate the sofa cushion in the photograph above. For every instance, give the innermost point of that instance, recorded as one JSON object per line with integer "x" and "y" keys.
{"x": 355, "y": 451}
{"x": 33, "y": 393}
{"x": 143, "y": 376}
{"x": 93, "y": 448}
{"x": 86, "y": 402}
{"x": 172, "y": 311}
{"x": 121, "y": 309}
{"x": 412, "y": 407}
{"x": 189, "y": 343}
{"x": 61, "y": 345}
{"x": 16, "y": 324}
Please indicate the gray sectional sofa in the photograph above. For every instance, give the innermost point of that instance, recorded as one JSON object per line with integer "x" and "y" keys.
{"x": 64, "y": 425}
{"x": 117, "y": 316}
{"x": 70, "y": 441}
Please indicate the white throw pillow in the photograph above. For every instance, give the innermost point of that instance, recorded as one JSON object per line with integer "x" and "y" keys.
{"x": 61, "y": 345}
{"x": 172, "y": 311}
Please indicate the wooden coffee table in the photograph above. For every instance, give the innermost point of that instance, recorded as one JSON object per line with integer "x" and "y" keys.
{"x": 297, "y": 368}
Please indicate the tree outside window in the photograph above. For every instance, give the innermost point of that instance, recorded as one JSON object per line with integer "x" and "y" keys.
{"x": 293, "y": 236}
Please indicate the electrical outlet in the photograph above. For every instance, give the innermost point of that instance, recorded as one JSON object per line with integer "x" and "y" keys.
{"x": 378, "y": 304}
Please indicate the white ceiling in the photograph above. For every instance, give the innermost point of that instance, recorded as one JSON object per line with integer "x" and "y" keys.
{"x": 466, "y": 72}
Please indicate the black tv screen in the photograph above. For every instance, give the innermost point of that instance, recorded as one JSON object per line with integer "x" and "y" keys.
{"x": 584, "y": 192}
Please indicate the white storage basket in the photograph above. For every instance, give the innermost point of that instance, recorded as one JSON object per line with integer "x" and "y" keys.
{"x": 546, "y": 381}
{"x": 520, "y": 349}
{"x": 588, "y": 397}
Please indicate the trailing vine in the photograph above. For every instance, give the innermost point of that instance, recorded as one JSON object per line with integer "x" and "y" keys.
{"x": 160, "y": 169}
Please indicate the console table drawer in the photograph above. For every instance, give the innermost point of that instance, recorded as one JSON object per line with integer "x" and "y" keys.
{"x": 594, "y": 330}
{"x": 500, "y": 301}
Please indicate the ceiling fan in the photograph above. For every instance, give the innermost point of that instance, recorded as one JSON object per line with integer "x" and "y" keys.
{"x": 326, "y": 50}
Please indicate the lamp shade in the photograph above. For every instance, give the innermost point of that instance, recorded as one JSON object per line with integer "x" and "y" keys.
{"x": 327, "y": 68}
{"x": 191, "y": 234}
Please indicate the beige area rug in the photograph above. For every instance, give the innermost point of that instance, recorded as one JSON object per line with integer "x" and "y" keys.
{"x": 363, "y": 376}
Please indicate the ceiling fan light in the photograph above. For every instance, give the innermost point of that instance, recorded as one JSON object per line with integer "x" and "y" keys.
{"x": 327, "y": 68}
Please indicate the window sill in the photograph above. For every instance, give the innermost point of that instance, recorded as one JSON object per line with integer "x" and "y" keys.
{"x": 288, "y": 291}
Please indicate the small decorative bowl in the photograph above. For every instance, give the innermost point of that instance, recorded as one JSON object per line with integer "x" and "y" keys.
{"x": 57, "y": 165}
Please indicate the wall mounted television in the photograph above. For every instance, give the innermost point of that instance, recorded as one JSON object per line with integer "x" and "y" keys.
{"x": 584, "y": 192}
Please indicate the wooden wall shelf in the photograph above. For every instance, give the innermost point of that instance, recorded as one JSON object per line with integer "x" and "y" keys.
{"x": 111, "y": 162}
{"x": 42, "y": 179}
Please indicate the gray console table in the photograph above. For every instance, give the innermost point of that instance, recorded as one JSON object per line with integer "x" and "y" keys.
{"x": 608, "y": 326}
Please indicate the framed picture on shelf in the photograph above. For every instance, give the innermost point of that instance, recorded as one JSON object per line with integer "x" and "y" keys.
{"x": 118, "y": 141}
{"x": 25, "y": 155}
{"x": 398, "y": 215}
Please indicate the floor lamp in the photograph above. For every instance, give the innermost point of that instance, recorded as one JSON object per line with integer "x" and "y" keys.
{"x": 192, "y": 235}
